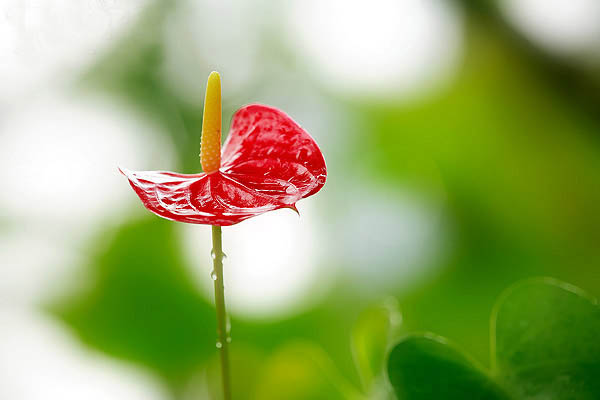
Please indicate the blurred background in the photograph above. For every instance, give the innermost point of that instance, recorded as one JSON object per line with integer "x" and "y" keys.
{"x": 463, "y": 147}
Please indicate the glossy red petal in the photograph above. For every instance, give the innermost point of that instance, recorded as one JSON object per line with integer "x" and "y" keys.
{"x": 270, "y": 152}
{"x": 269, "y": 162}
{"x": 214, "y": 199}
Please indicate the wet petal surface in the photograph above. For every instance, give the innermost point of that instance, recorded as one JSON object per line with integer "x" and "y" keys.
{"x": 269, "y": 162}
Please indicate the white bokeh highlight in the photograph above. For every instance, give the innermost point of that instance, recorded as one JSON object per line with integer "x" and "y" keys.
{"x": 59, "y": 160}
{"x": 204, "y": 36}
{"x": 35, "y": 264}
{"x": 272, "y": 269}
{"x": 387, "y": 239}
{"x": 41, "y": 361}
{"x": 570, "y": 28}
{"x": 45, "y": 41}
{"x": 379, "y": 47}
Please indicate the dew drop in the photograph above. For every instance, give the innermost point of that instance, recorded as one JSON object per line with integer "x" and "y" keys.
{"x": 228, "y": 325}
{"x": 290, "y": 189}
{"x": 213, "y": 255}
{"x": 219, "y": 345}
{"x": 213, "y": 275}
{"x": 228, "y": 339}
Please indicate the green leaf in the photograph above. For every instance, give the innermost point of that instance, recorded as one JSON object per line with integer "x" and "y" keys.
{"x": 141, "y": 304}
{"x": 370, "y": 339}
{"x": 427, "y": 367}
{"x": 544, "y": 346}
{"x": 547, "y": 341}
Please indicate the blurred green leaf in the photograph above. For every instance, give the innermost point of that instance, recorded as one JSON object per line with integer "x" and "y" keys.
{"x": 427, "y": 367}
{"x": 370, "y": 340}
{"x": 547, "y": 341}
{"x": 302, "y": 371}
{"x": 142, "y": 305}
{"x": 544, "y": 343}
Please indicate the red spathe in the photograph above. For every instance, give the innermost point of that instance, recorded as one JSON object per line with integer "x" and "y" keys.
{"x": 268, "y": 162}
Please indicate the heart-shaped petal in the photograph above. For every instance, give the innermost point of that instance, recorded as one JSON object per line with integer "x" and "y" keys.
{"x": 265, "y": 142}
{"x": 269, "y": 162}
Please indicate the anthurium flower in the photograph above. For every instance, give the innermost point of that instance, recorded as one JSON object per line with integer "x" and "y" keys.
{"x": 268, "y": 162}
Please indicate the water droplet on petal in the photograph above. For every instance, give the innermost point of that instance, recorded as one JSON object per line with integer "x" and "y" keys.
{"x": 291, "y": 189}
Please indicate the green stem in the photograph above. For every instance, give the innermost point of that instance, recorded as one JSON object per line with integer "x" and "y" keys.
{"x": 222, "y": 331}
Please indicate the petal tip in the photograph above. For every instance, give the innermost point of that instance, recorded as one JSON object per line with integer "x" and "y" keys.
{"x": 125, "y": 172}
{"x": 293, "y": 208}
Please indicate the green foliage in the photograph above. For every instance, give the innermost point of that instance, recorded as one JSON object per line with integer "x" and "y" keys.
{"x": 515, "y": 163}
{"x": 544, "y": 346}
{"x": 546, "y": 341}
{"x": 371, "y": 336}
{"x": 427, "y": 367}
{"x": 142, "y": 306}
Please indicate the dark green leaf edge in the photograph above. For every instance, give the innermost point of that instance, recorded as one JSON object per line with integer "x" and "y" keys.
{"x": 441, "y": 340}
{"x": 514, "y": 287}
{"x": 462, "y": 357}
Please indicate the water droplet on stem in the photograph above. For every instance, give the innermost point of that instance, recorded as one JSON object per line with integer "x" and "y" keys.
{"x": 213, "y": 255}
{"x": 228, "y": 325}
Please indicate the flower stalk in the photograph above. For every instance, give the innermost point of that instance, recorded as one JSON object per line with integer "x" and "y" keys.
{"x": 223, "y": 337}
